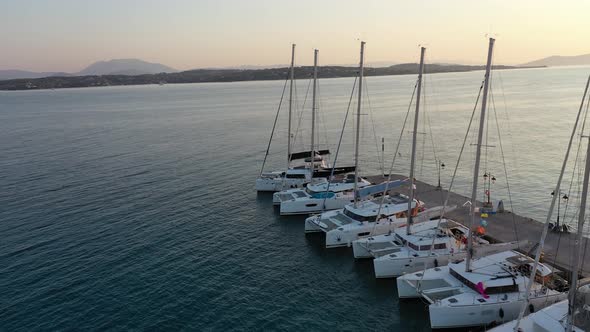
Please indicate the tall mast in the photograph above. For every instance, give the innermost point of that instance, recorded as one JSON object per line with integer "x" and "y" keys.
{"x": 552, "y": 206}
{"x": 358, "y": 125}
{"x": 292, "y": 77}
{"x": 413, "y": 159}
{"x": 484, "y": 103}
{"x": 313, "y": 107}
{"x": 577, "y": 246}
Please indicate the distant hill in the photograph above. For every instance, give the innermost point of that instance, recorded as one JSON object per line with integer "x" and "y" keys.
{"x": 558, "y": 60}
{"x": 14, "y": 74}
{"x": 129, "y": 67}
{"x": 226, "y": 75}
{"x": 124, "y": 67}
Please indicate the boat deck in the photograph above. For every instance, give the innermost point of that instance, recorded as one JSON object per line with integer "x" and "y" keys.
{"x": 501, "y": 227}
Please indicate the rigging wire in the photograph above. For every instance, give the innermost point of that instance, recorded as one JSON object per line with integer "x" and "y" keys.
{"x": 274, "y": 125}
{"x": 373, "y": 124}
{"x": 551, "y": 207}
{"x": 302, "y": 112}
{"x": 394, "y": 158}
{"x": 340, "y": 142}
{"x": 586, "y": 244}
{"x": 453, "y": 178}
{"x": 323, "y": 117}
{"x": 423, "y": 118}
{"x": 493, "y": 104}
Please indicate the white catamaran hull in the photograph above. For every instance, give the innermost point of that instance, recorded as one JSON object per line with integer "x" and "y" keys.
{"x": 444, "y": 316}
{"x": 345, "y": 235}
{"x": 387, "y": 267}
{"x": 274, "y": 184}
{"x": 313, "y": 205}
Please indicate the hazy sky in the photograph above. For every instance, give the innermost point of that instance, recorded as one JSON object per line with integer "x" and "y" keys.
{"x": 67, "y": 35}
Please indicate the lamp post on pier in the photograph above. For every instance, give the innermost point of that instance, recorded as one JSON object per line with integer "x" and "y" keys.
{"x": 440, "y": 166}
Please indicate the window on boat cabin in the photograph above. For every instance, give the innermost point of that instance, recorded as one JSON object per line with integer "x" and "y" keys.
{"x": 364, "y": 233}
{"x": 426, "y": 247}
{"x": 413, "y": 246}
{"x": 295, "y": 176}
{"x": 311, "y": 204}
{"x": 299, "y": 194}
{"x": 440, "y": 246}
{"x": 357, "y": 217}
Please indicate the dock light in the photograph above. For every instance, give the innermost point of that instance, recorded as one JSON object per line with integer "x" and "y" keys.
{"x": 440, "y": 167}
{"x": 493, "y": 179}
{"x": 565, "y": 198}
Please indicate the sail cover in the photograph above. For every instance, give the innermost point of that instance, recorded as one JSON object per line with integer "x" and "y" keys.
{"x": 379, "y": 188}
{"x": 307, "y": 154}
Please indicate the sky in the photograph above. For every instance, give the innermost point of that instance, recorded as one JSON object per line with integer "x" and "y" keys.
{"x": 68, "y": 35}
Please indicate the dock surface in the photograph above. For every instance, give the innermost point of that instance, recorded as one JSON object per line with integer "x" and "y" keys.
{"x": 503, "y": 227}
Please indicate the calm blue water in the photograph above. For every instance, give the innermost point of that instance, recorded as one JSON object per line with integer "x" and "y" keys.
{"x": 133, "y": 207}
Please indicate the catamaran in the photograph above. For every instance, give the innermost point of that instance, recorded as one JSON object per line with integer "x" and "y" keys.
{"x": 368, "y": 215}
{"x": 430, "y": 244}
{"x": 479, "y": 291}
{"x": 482, "y": 291}
{"x": 572, "y": 314}
{"x": 415, "y": 248}
{"x": 311, "y": 164}
{"x": 318, "y": 197}
{"x": 393, "y": 243}
{"x": 555, "y": 318}
{"x": 359, "y": 220}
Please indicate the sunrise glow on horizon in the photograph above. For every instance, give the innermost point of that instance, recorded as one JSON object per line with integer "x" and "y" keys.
{"x": 67, "y": 35}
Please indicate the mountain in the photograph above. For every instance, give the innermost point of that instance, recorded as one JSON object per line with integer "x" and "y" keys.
{"x": 130, "y": 67}
{"x": 11, "y": 74}
{"x": 558, "y": 60}
{"x": 125, "y": 67}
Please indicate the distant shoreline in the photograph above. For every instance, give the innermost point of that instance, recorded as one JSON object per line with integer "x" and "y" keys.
{"x": 227, "y": 75}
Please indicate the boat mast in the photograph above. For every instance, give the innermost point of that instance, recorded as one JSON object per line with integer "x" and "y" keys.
{"x": 313, "y": 107}
{"x": 484, "y": 102}
{"x": 292, "y": 77}
{"x": 358, "y": 125}
{"x": 577, "y": 246}
{"x": 552, "y": 206}
{"x": 413, "y": 158}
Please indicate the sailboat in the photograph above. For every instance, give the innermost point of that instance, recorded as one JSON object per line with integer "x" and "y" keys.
{"x": 319, "y": 196}
{"x": 414, "y": 248}
{"x": 479, "y": 291}
{"x": 367, "y": 215}
{"x": 311, "y": 163}
{"x": 572, "y": 314}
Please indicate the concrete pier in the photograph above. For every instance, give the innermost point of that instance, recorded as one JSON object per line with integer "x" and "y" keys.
{"x": 505, "y": 227}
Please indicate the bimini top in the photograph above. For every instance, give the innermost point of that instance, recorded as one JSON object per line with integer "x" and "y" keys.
{"x": 307, "y": 154}
{"x": 367, "y": 210}
{"x": 423, "y": 233}
{"x": 500, "y": 273}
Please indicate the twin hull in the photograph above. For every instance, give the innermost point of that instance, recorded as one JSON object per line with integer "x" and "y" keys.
{"x": 309, "y": 206}
{"x": 278, "y": 184}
